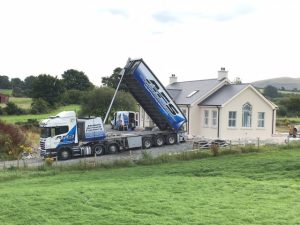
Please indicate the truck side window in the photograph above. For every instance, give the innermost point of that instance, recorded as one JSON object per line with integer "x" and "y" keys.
{"x": 61, "y": 130}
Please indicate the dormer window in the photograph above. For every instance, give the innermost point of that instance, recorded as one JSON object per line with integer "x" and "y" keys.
{"x": 192, "y": 93}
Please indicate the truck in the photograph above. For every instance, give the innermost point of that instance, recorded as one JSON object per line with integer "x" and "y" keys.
{"x": 124, "y": 120}
{"x": 65, "y": 136}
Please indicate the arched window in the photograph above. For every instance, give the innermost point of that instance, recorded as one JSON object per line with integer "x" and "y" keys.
{"x": 247, "y": 113}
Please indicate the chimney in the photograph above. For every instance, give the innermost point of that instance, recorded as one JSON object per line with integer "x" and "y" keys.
{"x": 222, "y": 74}
{"x": 173, "y": 79}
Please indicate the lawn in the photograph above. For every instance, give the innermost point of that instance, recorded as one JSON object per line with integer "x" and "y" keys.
{"x": 24, "y": 118}
{"x": 256, "y": 188}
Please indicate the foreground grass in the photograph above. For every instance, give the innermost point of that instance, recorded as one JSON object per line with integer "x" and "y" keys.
{"x": 256, "y": 188}
{"x": 24, "y": 118}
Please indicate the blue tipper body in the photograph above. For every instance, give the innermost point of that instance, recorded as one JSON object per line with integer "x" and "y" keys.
{"x": 152, "y": 96}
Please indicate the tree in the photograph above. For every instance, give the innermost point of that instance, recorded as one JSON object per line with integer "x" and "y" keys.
{"x": 17, "y": 87}
{"x": 113, "y": 80}
{"x": 4, "y": 82}
{"x": 76, "y": 80}
{"x": 47, "y": 88}
{"x": 271, "y": 91}
{"x": 293, "y": 105}
{"x": 28, "y": 83}
{"x": 96, "y": 102}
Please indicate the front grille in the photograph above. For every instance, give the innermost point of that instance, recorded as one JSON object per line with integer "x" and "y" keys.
{"x": 42, "y": 145}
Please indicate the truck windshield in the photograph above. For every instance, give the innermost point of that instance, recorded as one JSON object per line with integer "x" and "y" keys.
{"x": 53, "y": 131}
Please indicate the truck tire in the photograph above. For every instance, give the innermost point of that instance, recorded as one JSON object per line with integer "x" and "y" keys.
{"x": 64, "y": 154}
{"x": 159, "y": 141}
{"x": 171, "y": 139}
{"x": 99, "y": 149}
{"x": 113, "y": 148}
{"x": 147, "y": 143}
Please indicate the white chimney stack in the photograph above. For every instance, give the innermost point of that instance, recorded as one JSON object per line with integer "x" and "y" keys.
{"x": 222, "y": 74}
{"x": 173, "y": 79}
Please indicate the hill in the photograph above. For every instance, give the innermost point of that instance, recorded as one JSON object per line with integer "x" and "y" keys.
{"x": 287, "y": 82}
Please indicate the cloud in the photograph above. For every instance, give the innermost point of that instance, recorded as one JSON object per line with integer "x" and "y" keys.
{"x": 234, "y": 13}
{"x": 115, "y": 12}
{"x": 166, "y": 17}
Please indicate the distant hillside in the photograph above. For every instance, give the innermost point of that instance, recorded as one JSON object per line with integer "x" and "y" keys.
{"x": 287, "y": 82}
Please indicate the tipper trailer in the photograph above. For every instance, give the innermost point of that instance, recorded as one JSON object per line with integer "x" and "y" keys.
{"x": 66, "y": 136}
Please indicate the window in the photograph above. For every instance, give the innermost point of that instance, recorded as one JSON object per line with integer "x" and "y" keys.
{"x": 192, "y": 93}
{"x": 214, "y": 118}
{"x": 53, "y": 131}
{"x": 206, "y": 118}
{"x": 247, "y": 114}
{"x": 261, "y": 119}
{"x": 232, "y": 119}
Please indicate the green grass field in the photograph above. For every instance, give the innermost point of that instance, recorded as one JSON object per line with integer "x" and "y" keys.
{"x": 24, "y": 118}
{"x": 6, "y": 91}
{"x": 256, "y": 188}
{"x": 24, "y": 103}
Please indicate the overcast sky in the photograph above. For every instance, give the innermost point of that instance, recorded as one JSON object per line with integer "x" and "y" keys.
{"x": 253, "y": 40}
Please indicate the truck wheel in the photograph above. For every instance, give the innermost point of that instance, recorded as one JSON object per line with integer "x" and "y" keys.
{"x": 147, "y": 143}
{"x": 64, "y": 154}
{"x": 99, "y": 149}
{"x": 159, "y": 141}
{"x": 171, "y": 139}
{"x": 113, "y": 148}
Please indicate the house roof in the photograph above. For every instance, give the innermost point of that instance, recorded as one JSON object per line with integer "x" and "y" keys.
{"x": 223, "y": 95}
{"x": 194, "y": 89}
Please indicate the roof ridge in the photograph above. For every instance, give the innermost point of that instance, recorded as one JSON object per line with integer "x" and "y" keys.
{"x": 193, "y": 80}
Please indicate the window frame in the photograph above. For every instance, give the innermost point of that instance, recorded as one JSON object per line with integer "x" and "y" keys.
{"x": 232, "y": 120}
{"x": 247, "y": 115}
{"x": 261, "y": 120}
{"x": 214, "y": 118}
{"x": 206, "y": 118}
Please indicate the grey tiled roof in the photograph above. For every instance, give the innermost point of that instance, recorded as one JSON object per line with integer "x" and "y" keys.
{"x": 224, "y": 94}
{"x": 180, "y": 90}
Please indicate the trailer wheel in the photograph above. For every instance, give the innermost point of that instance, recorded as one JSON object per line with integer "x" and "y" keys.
{"x": 113, "y": 148}
{"x": 159, "y": 141}
{"x": 147, "y": 143}
{"x": 64, "y": 154}
{"x": 171, "y": 139}
{"x": 99, "y": 149}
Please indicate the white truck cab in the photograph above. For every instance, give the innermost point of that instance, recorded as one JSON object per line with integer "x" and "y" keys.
{"x": 61, "y": 134}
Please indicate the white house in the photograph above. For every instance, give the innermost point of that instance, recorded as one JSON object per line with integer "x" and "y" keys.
{"x": 217, "y": 108}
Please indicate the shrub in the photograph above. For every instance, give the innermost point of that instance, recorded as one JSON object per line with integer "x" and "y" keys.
{"x": 49, "y": 161}
{"x": 214, "y": 149}
{"x": 1, "y": 111}
{"x": 72, "y": 97}
{"x": 12, "y": 140}
{"x": 39, "y": 106}
{"x": 12, "y": 109}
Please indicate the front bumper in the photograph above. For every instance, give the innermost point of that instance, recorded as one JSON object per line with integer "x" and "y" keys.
{"x": 47, "y": 153}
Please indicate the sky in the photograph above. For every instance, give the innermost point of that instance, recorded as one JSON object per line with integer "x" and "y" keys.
{"x": 252, "y": 39}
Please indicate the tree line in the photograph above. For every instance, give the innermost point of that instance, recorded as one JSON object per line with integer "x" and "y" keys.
{"x": 49, "y": 92}
{"x": 288, "y": 102}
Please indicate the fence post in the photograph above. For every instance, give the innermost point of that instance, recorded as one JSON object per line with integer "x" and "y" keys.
{"x": 258, "y": 142}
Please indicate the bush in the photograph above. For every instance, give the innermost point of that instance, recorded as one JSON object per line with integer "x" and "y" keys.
{"x": 215, "y": 149}
{"x": 12, "y": 140}
{"x": 49, "y": 162}
{"x": 39, "y": 106}
{"x": 1, "y": 111}
{"x": 12, "y": 109}
{"x": 72, "y": 97}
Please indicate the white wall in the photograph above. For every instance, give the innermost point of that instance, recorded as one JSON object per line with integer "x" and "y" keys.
{"x": 253, "y": 132}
